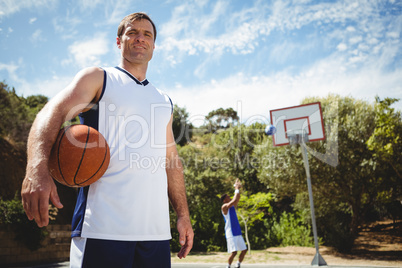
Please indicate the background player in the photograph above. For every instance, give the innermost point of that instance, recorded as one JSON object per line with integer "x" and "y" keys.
{"x": 234, "y": 238}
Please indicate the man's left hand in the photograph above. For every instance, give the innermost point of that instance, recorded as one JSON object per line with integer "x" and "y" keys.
{"x": 186, "y": 236}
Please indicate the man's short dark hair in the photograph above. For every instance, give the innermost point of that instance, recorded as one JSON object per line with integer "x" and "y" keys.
{"x": 132, "y": 17}
{"x": 223, "y": 197}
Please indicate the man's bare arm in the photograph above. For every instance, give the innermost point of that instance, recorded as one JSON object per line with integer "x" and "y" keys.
{"x": 177, "y": 194}
{"x": 38, "y": 186}
{"x": 235, "y": 200}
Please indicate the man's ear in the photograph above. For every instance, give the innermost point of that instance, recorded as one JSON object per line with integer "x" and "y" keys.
{"x": 118, "y": 42}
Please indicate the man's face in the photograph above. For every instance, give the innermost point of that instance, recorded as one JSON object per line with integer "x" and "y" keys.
{"x": 227, "y": 199}
{"x": 137, "y": 42}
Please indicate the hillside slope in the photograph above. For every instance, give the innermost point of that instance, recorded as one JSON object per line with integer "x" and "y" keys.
{"x": 12, "y": 169}
{"x": 13, "y": 160}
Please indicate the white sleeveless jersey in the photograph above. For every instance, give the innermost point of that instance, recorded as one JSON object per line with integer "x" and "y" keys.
{"x": 232, "y": 225}
{"x": 130, "y": 202}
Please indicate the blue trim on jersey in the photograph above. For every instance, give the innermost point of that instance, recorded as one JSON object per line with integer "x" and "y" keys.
{"x": 171, "y": 103}
{"x": 79, "y": 212}
{"x": 104, "y": 85}
{"x": 234, "y": 222}
{"x": 91, "y": 117}
{"x": 144, "y": 83}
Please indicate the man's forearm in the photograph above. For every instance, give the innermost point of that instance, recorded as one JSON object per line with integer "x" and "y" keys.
{"x": 178, "y": 198}
{"x": 40, "y": 140}
{"x": 176, "y": 187}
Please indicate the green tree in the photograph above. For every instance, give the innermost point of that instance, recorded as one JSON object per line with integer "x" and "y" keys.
{"x": 35, "y": 103}
{"x": 17, "y": 113}
{"x": 236, "y": 145}
{"x": 182, "y": 128}
{"x": 386, "y": 140}
{"x": 253, "y": 208}
{"x": 6, "y": 109}
{"x": 386, "y": 146}
{"x": 204, "y": 182}
{"x": 222, "y": 118}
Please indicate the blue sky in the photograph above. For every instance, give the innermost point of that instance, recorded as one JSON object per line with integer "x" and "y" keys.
{"x": 253, "y": 56}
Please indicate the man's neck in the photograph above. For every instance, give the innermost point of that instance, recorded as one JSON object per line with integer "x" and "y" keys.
{"x": 138, "y": 71}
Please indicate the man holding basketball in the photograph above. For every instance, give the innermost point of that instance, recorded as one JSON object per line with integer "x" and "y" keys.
{"x": 121, "y": 220}
{"x": 234, "y": 238}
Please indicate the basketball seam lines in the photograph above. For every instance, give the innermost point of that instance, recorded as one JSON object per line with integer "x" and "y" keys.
{"x": 82, "y": 157}
{"x": 58, "y": 155}
{"x": 100, "y": 167}
{"x": 104, "y": 158}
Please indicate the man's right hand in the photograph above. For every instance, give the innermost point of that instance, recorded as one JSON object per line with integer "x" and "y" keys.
{"x": 237, "y": 184}
{"x": 36, "y": 192}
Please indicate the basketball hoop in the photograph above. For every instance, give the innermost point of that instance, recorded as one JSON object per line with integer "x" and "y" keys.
{"x": 297, "y": 136}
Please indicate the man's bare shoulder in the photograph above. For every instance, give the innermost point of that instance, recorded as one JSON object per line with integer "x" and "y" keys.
{"x": 225, "y": 208}
{"x": 89, "y": 79}
{"x": 91, "y": 73}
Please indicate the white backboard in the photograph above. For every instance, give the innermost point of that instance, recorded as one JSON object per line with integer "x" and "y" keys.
{"x": 306, "y": 118}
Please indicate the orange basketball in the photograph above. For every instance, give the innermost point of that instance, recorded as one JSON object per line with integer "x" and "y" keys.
{"x": 79, "y": 157}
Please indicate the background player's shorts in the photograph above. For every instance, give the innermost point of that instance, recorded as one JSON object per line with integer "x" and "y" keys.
{"x": 99, "y": 253}
{"x": 236, "y": 243}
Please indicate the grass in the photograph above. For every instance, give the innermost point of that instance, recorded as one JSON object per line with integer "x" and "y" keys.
{"x": 257, "y": 256}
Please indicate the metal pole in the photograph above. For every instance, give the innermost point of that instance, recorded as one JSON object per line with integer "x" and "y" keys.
{"x": 318, "y": 259}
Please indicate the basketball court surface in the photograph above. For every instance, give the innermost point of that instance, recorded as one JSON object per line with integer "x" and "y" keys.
{"x": 218, "y": 265}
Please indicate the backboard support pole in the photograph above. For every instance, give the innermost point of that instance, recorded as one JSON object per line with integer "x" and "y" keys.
{"x": 301, "y": 139}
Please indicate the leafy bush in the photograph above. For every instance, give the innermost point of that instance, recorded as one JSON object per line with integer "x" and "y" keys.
{"x": 12, "y": 214}
{"x": 291, "y": 230}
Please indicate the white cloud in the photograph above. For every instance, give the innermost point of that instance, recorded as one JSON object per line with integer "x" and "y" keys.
{"x": 67, "y": 26}
{"x": 259, "y": 94}
{"x": 115, "y": 11}
{"x": 32, "y": 20}
{"x": 11, "y": 69}
{"x": 355, "y": 40}
{"x": 342, "y": 47}
{"x": 9, "y": 7}
{"x": 394, "y": 35}
{"x": 47, "y": 87}
{"x": 87, "y": 53}
{"x": 88, "y": 4}
{"x": 37, "y": 36}
{"x": 192, "y": 29}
